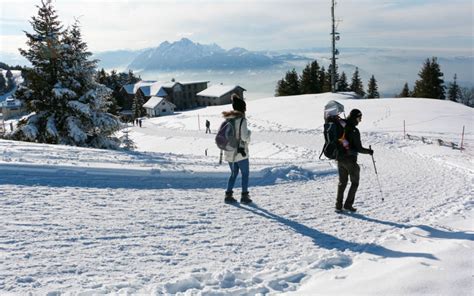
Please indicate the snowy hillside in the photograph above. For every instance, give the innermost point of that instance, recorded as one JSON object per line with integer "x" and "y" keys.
{"x": 152, "y": 221}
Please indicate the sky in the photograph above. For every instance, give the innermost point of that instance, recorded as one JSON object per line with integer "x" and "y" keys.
{"x": 253, "y": 24}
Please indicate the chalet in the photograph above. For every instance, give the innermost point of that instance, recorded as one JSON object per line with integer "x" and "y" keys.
{"x": 158, "y": 106}
{"x": 181, "y": 94}
{"x": 219, "y": 94}
{"x": 128, "y": 91}
{"x": 12, "y": 108}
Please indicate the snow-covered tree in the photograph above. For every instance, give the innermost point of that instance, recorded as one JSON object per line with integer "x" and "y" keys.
{"x": 356, "y": 83}
{"x": 372, "y": 89}
{"x": 67, "y": 105}
{"x": 127, "y": 142}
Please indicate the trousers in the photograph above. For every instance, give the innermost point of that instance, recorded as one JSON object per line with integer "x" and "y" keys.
{"x": 243, "y": 166}
{"x": 347, "y": 169}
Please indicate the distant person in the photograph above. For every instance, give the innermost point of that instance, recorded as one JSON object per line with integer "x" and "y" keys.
{"x": 11, "y": 126}
{"x": 347, "y": 161}
{"x": 208, "y": 126}
{"x": 239, "y": 158}
{"x": 140, "y": 122}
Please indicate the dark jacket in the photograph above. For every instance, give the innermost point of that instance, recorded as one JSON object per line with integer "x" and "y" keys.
{"x": 352, "y": 135}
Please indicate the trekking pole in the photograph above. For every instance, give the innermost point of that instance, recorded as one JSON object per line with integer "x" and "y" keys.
{"x": 376, "y": 174}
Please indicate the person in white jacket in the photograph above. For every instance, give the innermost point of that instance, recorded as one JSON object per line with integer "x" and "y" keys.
{"x": 239, "y": 159}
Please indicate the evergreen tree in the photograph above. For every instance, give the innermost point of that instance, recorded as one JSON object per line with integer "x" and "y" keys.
{"x": 322, "y": 78}
{"x": 10, "y": 81}
{"x": 405, "y": 91}
{"x": 372, "y": 89}
{"x": 356, "y": 83}
{"x": 137, "y": 107}
{"x": 3, "y": 83}
{"x": 282, "y": 88}
{"x": 430, "y": 84}
{"x": 467, "y": 96}
{"x": 309, "y": 82}
{"x": 327, "y": 81}
{"x": 68, "y": 104}
{"x": 454, "y": 92}
{"x": 293, "y": 82}
{"x": 44, "y": 52}
{"x": 342, "y": 84}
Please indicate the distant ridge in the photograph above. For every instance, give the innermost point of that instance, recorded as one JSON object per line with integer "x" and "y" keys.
{"x": 185, "y": 54}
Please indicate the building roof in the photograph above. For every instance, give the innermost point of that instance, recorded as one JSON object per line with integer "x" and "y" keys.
{"x": 132, "y": 88}
{"x": 11, "y": 103}
{"x": 218, "y": 90}
{"x": 155, "y": 101}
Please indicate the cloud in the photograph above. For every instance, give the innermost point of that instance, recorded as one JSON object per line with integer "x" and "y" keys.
{"x": 254, "y": 24}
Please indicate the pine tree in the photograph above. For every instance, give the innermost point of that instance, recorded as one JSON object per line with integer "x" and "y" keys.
{"x": 309, "y": 82}
{"x": 430, "y": 84}
{"x": 44, "y": 53}
{"x": 69, "y": 106}
{"x": 454, "y": 92}
{"x": 137, "y": 107}
{"x": 293, "y": 82}
{"x": 327, "y": 81}
{"x": 342, "y": 84}
{"x": 372, "y": 89}
{"x": 322, "y": 79}
{"x": 3, "y": 83}
{"x": 282, "y": 88}
{"x": 10, "y": 81}
{"x": 405, "y": 91}
{"x": 127, "y": 142}
{"x": 356, "y": 83}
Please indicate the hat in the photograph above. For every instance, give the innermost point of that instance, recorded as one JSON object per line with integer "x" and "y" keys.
{"x": 238, "y": 104}
{"x": 355, "y": 113}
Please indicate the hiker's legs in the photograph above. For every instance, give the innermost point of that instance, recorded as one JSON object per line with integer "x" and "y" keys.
{"x": 244, "y": 169}
{"x": 234, "y": 172}
{"x": 343, "y": 178}
{"x": 354, "y": 173}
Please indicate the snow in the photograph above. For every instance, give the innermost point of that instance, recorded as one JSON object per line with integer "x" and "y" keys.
{"x": 217, "y": 90}
{"x": 153, "y": 222}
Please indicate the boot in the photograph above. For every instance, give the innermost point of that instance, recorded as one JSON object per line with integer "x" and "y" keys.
{"x": 350, "y": 208}
{"x": 229, "y": 198}
{"x": 245, "y": 199}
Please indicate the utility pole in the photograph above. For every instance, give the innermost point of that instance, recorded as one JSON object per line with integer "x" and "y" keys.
{"x": 335, "y": 37}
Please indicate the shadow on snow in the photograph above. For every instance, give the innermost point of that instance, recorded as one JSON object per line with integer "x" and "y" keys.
{"x": 330, "y": 242}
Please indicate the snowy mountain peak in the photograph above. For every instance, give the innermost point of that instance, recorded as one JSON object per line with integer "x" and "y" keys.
{"x": 185, "y": 54}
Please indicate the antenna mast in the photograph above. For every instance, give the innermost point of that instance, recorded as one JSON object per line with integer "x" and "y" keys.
{"x": 335, "y": 37}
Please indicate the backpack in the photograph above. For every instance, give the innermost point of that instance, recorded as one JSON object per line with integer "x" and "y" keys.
{"x": 334, "y": 142}
{"x": 333, "y": 138}
{"x": 226, "y": 138}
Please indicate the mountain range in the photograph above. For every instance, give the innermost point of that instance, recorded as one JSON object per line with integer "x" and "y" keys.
{"x": 185, "y": 54}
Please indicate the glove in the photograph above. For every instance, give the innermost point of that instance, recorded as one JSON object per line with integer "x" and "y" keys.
{"x": 371, "y": 152}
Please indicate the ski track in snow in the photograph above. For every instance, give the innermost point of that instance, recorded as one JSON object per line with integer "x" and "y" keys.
{"x": 66, "y": 232}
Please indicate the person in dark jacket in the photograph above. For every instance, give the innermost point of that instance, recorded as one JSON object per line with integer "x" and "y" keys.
{"x": 347, "y": 161}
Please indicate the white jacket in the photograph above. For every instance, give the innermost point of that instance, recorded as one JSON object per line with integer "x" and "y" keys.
{"x": 242, "y": 131}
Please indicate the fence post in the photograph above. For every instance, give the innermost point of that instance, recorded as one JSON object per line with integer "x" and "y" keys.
{"x": 404, "y": 132}
{"x": 462, "y": 138}
{"x": 199, "y": 123}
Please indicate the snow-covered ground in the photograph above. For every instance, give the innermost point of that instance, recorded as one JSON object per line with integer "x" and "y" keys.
{"x": 78, "y": 221}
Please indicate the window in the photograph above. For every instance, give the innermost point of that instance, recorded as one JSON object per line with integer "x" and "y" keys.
{"x": 163, "y": 110}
